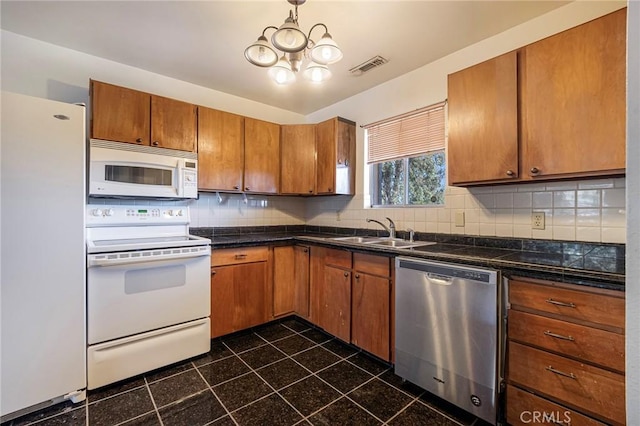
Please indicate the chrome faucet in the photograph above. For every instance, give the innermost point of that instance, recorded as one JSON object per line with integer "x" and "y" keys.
{"x": 391, "y": 229}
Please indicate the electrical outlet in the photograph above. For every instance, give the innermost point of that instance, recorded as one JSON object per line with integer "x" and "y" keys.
{"x": 537, "y": 220}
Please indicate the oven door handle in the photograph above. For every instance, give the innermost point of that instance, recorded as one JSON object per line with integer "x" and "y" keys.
{"x": 142, "y": 257}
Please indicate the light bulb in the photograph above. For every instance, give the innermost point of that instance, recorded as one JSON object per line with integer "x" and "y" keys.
{"x": 288, "y": 37}
{"x": 261, "y": 53}
{"x": 316, "y": 75}
{"x": 326, "y": 53}
{"x": 281, "y": 77}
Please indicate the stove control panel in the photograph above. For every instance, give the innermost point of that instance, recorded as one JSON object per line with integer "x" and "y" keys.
{"x": 99, "y": 215}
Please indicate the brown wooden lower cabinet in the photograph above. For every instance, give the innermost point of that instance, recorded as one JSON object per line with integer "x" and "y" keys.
{"x": 370, "y": 304}
{"x": 240, "y": 296}
{"x": 351, "y": 298}
{"x": 566, "y": 355}
{"x": 291, "y": 281}
{"x": 335, "y": 305}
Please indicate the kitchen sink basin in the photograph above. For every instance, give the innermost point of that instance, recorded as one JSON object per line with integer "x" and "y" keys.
{"x": 382, "y": 242}
{"x": 357, "y": 239}
{"x": 396, "y": 243}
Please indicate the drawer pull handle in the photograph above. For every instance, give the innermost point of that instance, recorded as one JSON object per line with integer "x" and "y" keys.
{"x": 564, "y": 304}
{"x": 241, "y": 256}
{"x": 559, "y": 336}
{"x": 561, "y": 373}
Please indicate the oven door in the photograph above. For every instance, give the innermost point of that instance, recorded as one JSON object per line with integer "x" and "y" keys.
{"x": 139, "y": 291}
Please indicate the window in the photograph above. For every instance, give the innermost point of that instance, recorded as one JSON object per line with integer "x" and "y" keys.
{"x": 406, "y": 158}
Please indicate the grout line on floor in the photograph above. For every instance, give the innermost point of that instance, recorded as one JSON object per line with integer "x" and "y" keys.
{"x": 139, "y": 416}
{"x": 217, "y": 398}
{"x": 271, "y": 387}
{"x": 114, "y": 395}
{"x": 155, "y": 406}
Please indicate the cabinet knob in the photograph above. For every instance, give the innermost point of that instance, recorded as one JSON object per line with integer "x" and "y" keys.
{"x": 510, "y": 173}
{"x": 155, "y": 143}
{"x": 213, "y": 272}
{"x": 329, "y": 189}
{"x": 305, "y": 250}
{"x": 311, "y": 191}
{"x": 139, "y": 140}
{"x": 346, "y": 163}
{"x": 246, "y": 188}
{"x": 357, "y": 276}
{"x": 535, "y": 171}
{"x": 236, "y": 187}
{"x": 346, "y": 274}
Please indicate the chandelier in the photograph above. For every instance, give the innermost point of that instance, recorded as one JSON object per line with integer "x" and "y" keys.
{"x": 295, "y": 46}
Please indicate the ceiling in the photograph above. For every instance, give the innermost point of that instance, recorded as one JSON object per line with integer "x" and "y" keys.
{"x": 202, "y": 42}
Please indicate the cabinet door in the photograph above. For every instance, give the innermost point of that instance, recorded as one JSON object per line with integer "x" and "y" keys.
{"x": 261, "y": 156}
{"x": 120, "y": 114}
{"x": 173, "y": 124}
{"x": 301, "y": 280}
{"x": 222, "y": 300}
{"x": 573, "y": 98}
{"x": 220, "y": 150}
{"x": 370, "y": 301}
{"x": 335, "y": 303}
{"x": 335, "y": 146}
{"x": 483, "y": 122}
{"x": 298, "y": 159}
{"x": 239, "y": 297}
{"x": 284, "y": 284}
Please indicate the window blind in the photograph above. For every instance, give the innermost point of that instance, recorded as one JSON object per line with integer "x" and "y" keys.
{"x": 414, "y": 133}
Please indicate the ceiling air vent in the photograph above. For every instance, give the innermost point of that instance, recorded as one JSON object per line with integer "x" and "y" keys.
{"x": 368, "y": 65}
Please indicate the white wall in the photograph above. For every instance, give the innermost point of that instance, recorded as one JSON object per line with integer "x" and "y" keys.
{"x": 633, "y": 203}
{"x": 592, "y": 210}
{"x": 45, "y": 70}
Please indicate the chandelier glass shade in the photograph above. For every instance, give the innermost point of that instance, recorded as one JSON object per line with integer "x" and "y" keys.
{"x": 296, "y": 47}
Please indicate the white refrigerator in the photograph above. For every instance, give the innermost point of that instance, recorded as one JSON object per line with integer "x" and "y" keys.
{"x": 42, "y": 254}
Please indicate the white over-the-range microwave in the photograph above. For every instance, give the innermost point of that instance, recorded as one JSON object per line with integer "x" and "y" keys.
{"x": 119, "y": 169}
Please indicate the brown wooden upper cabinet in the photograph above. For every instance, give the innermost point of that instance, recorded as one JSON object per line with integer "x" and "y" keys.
{"x": 220, "y": 150}
{"x": 298, "y": 159}
{"x": 261, "y": 156}
{"x": 125, "y": 115}
{"x": 554, "y": 109}
{"x": 336, "y": 157}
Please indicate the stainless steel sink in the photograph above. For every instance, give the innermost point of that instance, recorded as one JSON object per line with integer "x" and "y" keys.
{"x": 356, "y": 239}
{"x": 396, "y": 243}
{"x": 382, "y": 242}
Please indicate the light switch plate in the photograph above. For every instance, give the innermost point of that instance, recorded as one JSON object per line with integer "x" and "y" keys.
{"x": 459, "y": 218}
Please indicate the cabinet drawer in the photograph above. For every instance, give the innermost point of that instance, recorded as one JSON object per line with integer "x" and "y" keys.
{"x": 524, "y": 408}
{"x": 239, "y": 255}
{"x": 591, "y": 389}
{"x": 372, "y": 264}
{"x": 578, "y": 341}
{"x": 580, "y": 305}
{"x": 340, "y": 258}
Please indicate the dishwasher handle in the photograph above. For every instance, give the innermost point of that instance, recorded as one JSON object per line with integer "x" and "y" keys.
{"x": 438, "y": 279}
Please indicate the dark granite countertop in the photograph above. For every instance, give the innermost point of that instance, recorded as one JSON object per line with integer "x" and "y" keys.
{"x": 598, "y": 265}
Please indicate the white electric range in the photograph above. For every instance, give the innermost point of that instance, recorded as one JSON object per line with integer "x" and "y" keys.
{"x": 148, "y": 290}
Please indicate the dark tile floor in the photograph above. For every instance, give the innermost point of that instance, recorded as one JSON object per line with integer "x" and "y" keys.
{"x": 283, "y": 373}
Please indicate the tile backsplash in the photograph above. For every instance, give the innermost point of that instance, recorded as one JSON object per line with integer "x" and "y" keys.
{"x": 586, "y": 210}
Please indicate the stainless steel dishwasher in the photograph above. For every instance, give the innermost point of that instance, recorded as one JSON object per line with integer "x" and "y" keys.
{"x": 449, "y": 332}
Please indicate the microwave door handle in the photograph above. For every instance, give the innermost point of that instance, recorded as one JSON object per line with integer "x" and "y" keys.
{"x": 180, "y": 172}
{"x": 93, "y": 261}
